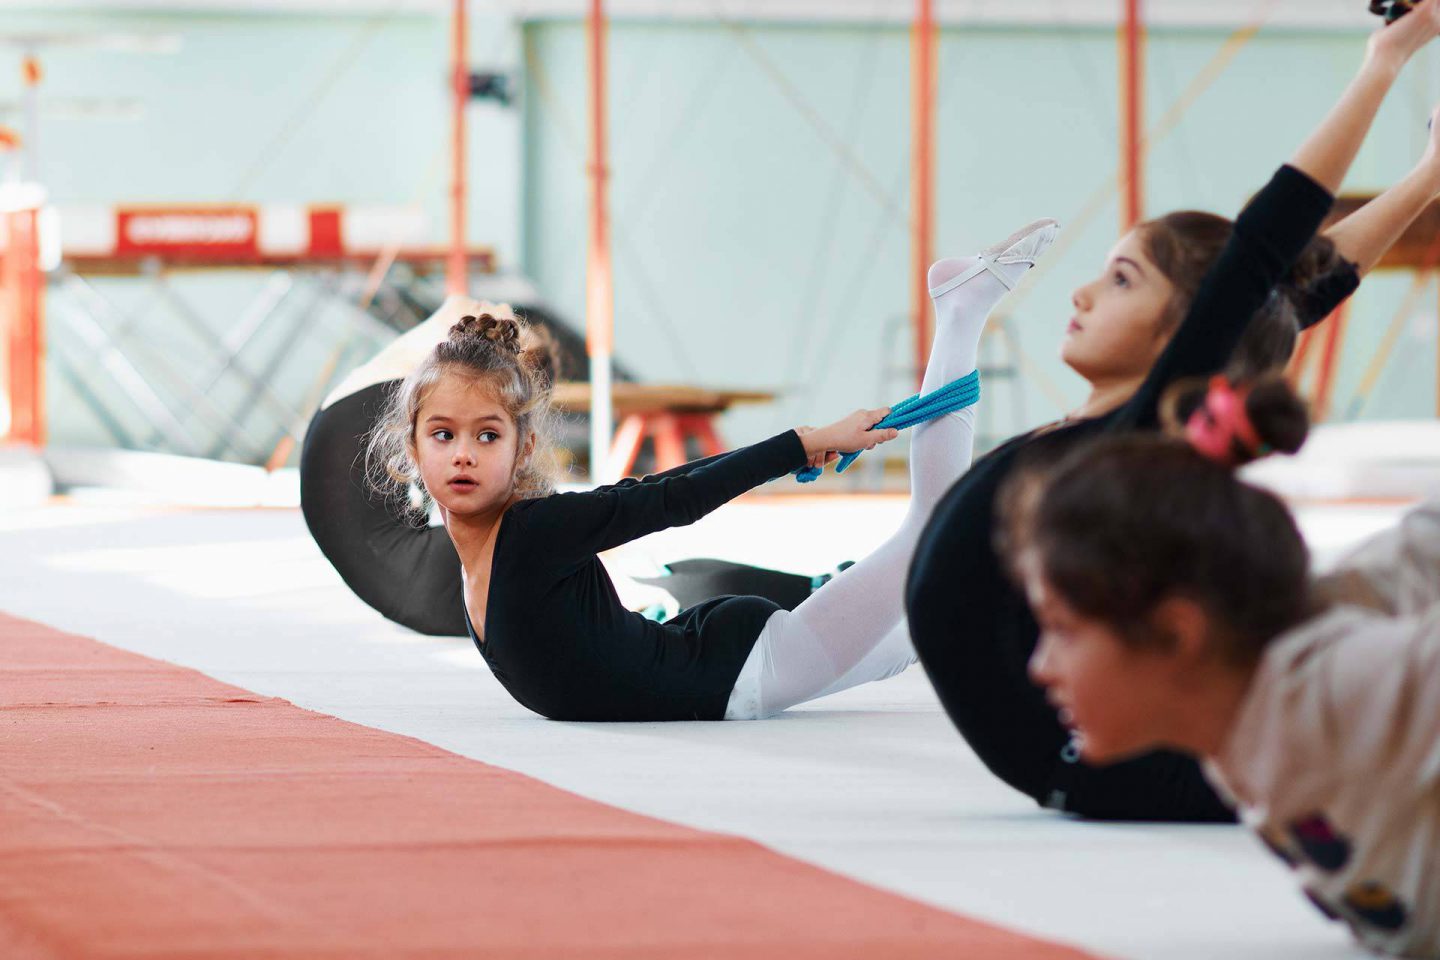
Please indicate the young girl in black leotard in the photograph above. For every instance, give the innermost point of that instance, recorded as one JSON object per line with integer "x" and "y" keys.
{"x": 406, "y": 569}
{"x": 1174, "y": 301}
{"x": 467, "y": 423}
{"x": 1176, "y": 610}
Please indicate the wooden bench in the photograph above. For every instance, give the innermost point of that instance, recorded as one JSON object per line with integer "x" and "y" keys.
{"x": 668, "y": 414}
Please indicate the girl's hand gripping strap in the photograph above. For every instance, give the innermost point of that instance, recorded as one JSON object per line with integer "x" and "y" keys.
{"x": 911, "y": 412}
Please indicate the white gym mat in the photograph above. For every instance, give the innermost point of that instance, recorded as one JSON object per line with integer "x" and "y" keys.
{"x": 873, "y": 783}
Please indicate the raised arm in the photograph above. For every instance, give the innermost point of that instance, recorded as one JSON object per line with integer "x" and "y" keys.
{"x": 1327, "y": 154}
{"x": 1276, "y": 226}
{"x": 1364, "y": 237}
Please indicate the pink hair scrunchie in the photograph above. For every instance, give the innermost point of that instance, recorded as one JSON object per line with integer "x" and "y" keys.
{"x": 1220, "y": 424}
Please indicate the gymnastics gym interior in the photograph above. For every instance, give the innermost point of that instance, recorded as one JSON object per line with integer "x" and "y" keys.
{"x": 722, "y": 211}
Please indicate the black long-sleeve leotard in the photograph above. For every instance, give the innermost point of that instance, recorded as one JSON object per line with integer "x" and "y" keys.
{"x": 557, "y": 636}
{"x": 407, "y": 569}
{"x": 972, "y": 626}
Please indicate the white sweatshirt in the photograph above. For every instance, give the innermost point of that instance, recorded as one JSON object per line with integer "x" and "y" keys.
{"x": 1334, "y": 759}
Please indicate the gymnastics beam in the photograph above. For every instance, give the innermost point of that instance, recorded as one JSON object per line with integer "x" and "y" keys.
{"x": 924, "y": 73}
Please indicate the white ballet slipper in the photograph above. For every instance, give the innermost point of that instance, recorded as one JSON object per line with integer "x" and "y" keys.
{"x": 1023, "y": 247}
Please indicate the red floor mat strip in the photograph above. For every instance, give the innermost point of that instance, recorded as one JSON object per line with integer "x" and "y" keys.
{"x": 149, "y": 811}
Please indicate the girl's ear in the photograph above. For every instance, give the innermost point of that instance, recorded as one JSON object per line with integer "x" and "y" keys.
{"x": 528, "y": 449}
{"x": 1185, "y": 627}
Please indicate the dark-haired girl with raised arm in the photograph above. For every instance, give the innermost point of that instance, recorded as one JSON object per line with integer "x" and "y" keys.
{"x": 1176, "y": 612}
{"x": 1186, "y": 295}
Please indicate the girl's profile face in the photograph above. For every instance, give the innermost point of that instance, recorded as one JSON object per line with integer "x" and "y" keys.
{"x": 466, "y": 446}
{"x": 1112, "y": 696}
{"x": 1117, "y": 331}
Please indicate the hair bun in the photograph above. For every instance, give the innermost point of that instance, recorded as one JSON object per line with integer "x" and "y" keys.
{"x": 1237, "y": 423}
{"x": 540, "y": 356}
{"x": 503, "y": 332}
{"x": 1280, "y": 416}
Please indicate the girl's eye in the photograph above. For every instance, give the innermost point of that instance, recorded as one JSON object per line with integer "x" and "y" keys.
{"x": 489, "y": 436}
{"x": 1120, "y": 280}
{"x": 443, "y": 435}
{"x": 1056, "y": 627}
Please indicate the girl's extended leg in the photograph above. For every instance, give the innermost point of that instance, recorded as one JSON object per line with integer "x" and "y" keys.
{"x": 826, "y": 643}
{"x": 892, "y": 656}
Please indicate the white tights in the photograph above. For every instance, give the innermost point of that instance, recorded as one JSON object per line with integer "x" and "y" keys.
{"x": 852, "y": 630}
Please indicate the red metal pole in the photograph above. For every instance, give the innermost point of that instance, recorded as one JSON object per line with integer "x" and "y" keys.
{"x": 924, "y": 71}
{"x": 456, "y": 268}
{"x": 600, "y": 293}
{"x": 1295, "y": 369}
{"x": 24, "y": 315}
{"x": 1132, "y": 112}
{"x": 1330, "y": 361}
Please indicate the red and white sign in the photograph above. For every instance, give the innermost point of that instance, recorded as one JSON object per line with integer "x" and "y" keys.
{"x": 240, "y": 233}
{"x": 218, "y": 232}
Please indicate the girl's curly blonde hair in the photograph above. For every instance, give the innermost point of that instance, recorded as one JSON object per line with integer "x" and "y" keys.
{"x": 513, "y": 359}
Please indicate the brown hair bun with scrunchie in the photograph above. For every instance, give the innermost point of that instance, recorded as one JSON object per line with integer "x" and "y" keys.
{"x": 1130, "y": 520}
{"x": 1236, "y": 423}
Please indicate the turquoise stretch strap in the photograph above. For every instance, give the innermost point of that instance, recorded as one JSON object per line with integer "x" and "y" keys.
{"x": 911, "y": 412}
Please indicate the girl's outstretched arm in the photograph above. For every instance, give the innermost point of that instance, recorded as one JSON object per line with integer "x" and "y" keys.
{"x": 1364, "y": 237}
{"x": 1279, "y": 222}
{"x": 1327, "y": 154}
{"x": 570, "y": 528}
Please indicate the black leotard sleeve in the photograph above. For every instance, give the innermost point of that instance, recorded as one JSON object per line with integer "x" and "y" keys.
{"x": 684, "y": 468}
{"x": 1270, "y": 234}
{"x": 573, "y": 527}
